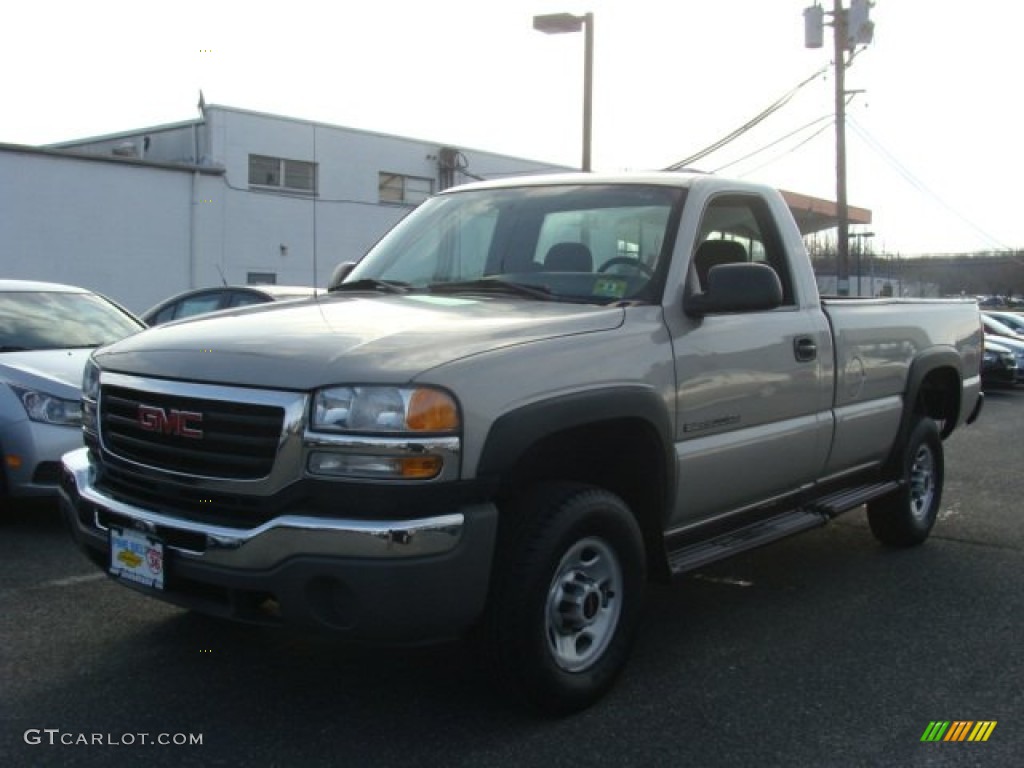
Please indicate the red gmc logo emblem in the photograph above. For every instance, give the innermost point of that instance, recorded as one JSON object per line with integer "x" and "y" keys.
{"x": 170, "y": 422}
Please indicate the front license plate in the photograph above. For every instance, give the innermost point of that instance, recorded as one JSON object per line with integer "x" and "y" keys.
{"x": 137, "y": 557}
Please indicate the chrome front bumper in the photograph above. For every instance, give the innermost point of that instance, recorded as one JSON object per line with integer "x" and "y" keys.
{"x": 403, "y": 579}
{"x": 267, "y": 544}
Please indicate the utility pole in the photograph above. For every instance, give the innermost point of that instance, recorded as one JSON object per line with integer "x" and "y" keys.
{"x": 842, "y": 208}
{"x": 849, "y": 29}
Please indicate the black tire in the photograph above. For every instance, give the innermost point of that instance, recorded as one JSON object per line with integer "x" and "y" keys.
{"x": 565, "y": 597}
{"x": 906, "y": 517}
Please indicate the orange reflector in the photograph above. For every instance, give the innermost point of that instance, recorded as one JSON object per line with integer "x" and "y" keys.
{"x": 13, "y": 461}
{"x": 431, "y": 410}
{"x": 420, "y": 467}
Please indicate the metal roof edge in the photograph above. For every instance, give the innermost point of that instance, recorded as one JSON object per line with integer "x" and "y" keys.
{"x": 28, "y": 149}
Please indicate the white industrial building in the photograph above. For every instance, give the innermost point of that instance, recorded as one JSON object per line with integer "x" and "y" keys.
{"x": 234, "y": 196}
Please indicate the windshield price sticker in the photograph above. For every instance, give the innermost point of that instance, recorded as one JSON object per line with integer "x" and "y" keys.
{"x": 137, "y": 557}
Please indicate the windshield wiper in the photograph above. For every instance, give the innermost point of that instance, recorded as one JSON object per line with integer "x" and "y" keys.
{"x": 372, "y": 284}
{"x": 12, "y": 348}
{"x": 490, "y": 285}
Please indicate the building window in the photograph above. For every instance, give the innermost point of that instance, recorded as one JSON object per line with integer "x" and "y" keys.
{"x": 407, "y": 190}
{"x": 279, "y": 173}
{"x": 261, "y": 278}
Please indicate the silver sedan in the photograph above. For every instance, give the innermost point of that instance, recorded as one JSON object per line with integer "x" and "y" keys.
{"x": 47, "y": 332}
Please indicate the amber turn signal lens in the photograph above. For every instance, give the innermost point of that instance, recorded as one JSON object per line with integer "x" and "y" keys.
{"x": 420, "y": 467}
{"x": 431, "y": 410}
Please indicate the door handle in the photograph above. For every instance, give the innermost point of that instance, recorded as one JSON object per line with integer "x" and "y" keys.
{"x": 805, "y": 349}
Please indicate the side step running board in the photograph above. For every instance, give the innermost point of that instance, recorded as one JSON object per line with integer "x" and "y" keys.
{"x": 814, "y": 515}
{"x": 742, "y": 539}
{"x": 851, "y": 498}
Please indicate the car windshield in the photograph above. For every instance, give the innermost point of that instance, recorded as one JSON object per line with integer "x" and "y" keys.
{"x": 60, "y": 320}
{"x": 583, "y": 242}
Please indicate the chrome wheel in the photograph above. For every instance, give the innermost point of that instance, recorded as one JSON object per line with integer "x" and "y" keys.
{"x": 583, "y": 605}
{"x": 922, "y": 482}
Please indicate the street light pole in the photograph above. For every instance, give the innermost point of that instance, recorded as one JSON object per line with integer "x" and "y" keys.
{"x": 558, "y": 23}
{"x": 861, "y": 255}
{"x": 588, "y": 86}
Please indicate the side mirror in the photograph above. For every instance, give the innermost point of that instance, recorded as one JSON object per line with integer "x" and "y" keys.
{"x": 339, "y": 274}
{"x": 737, "y": 288}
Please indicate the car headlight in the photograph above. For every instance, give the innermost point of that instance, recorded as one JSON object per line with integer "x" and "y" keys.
{"x": 49, "y": 409}
{"x": 384, "y": 410}
{"x": 91, "y": 381}
{"x": 383, "y": 433}
{"x": 90, "y": 395}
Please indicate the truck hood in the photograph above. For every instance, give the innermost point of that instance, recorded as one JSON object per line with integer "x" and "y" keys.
{"x": 349, "y": 338}
{"x": 54, "y": 371}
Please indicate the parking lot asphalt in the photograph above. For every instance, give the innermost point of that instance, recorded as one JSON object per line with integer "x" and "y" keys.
{"x": 822, "y": 650}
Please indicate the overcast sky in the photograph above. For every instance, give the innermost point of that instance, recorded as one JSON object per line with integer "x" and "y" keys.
{"x": 933, "y": 140}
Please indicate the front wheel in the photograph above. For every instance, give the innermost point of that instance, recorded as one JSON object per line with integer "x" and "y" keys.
{"x": 906, "y": 517}
{"x": 566, "y": 594}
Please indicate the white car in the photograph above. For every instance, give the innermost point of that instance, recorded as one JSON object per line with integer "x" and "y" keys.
{"x": 47, "y": 332}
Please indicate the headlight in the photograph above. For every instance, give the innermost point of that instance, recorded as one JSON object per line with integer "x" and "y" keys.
{"x": 379, "y": 433}
{"x": 91, "y": 381}
{"x": 90, "y": 395}
{"x": 387, "y": 410}
{"x": 49, "y": 409}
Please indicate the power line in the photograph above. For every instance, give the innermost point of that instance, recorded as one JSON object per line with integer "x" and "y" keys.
{"x": 754, "y": 121}
{"x": 829, "y": 117}
{"x": 793, "y": 149}
{"x": 919, "y": 185}
{"x": 831, "y": 122}
{"x": 806, "y": 141}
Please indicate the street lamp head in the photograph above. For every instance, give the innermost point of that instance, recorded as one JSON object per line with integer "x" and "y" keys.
{"x": 558, "y": 23}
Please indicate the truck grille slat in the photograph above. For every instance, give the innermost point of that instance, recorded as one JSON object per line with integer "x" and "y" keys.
{"x": 190, "y": 503}
{"x": 212, "y": 441}
{"x": 173, "y": 457}
{"x": 220, "y": 438}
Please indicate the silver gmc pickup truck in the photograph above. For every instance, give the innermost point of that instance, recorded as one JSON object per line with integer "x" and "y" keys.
{"x": 530, "y": 398}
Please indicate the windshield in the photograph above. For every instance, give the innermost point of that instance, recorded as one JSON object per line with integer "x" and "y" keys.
{"x": 593, "y": 243}
{"x": 56, "y": 320}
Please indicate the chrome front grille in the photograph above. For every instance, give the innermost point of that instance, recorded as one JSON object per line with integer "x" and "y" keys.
{"x": 200, "y": 437}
